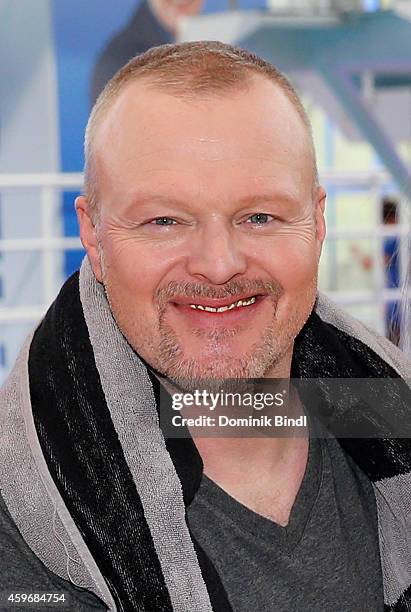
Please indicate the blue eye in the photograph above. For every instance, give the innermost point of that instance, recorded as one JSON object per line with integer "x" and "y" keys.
{"x": 260, "y": 218}
{"x": 164, "y": 221}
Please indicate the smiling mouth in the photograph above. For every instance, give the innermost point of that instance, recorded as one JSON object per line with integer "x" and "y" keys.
{"x": 239, "y": 314}
{"x": 219, "y": 309}
{"x": 237, "y": 304}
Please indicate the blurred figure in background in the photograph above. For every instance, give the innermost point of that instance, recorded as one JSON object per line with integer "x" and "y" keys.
{"x": 154, "y": 23}
{"x": 391, "y": 249}
{"x": 392, "y": 270}
{"x": 405, "y": 335}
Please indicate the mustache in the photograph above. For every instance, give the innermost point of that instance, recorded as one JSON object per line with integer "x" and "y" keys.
{"x": 233, "y": 288}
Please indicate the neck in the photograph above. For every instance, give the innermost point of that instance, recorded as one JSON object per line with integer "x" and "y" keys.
{"x": 263, "y": 473}
{"x": 225, "y": 458}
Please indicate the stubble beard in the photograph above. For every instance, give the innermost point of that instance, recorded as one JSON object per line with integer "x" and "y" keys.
{"x": 167, "y": 356}
{"x": 261, "y": 359}
{"x": 219, "y": 368}
{"x": 266, "y": 357}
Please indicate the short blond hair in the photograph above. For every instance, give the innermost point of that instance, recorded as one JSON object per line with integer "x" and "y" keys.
{"x": 186, "y": 70}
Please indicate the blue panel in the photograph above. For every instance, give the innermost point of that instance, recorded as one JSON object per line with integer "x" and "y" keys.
{"x": 72, "y": 259}
{"x": 250, "y": 4}
{"x": 81, "y": 28}
{"x": 371, "y": 5}
{"x": 3, "y": 357}
{"x": 69, "y": 213}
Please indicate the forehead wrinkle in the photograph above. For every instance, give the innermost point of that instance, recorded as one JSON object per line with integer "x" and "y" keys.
{"x": 143, "y": 198}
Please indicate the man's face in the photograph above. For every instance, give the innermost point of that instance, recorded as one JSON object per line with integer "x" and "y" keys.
{"x": 204, "y": 203}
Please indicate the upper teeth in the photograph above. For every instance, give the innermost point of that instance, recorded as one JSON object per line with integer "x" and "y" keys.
{"x": 224, "y": 308}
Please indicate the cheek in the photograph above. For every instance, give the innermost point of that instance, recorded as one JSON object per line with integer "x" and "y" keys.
{"x": 293, "y": 262}
{"x": 134, "y": 268}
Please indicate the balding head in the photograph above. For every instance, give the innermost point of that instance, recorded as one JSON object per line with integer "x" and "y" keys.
{"x": 189, "y": 71}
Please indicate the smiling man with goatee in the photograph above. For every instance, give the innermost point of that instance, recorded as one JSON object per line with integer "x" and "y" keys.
{"x": 202, "y": 218}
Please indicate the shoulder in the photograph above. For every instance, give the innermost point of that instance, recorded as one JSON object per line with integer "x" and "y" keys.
{"x": 329, "y": 312}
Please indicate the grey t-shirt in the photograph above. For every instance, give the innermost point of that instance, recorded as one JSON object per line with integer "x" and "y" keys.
{"x": 326, "y": 558}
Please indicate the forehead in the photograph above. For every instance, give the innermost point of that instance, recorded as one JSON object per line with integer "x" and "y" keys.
{"x": 149, "y": 137}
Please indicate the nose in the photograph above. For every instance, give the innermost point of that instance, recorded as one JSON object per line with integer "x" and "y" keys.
{"x": 216, "y": 254}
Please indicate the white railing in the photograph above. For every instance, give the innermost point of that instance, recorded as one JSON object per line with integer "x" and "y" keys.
{"x": 49, "y": 185}
{"x": 62, "y": 180}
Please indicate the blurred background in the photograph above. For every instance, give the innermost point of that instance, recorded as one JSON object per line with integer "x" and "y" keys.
{"x": 349, "y": 60}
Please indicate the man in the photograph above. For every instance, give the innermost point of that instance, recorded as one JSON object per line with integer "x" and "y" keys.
{"x": 203, "y": 222}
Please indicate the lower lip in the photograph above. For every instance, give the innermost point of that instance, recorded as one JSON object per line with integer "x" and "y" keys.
{"x": 211, "y": 319}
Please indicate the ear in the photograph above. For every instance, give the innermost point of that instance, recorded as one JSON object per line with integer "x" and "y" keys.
{"x": 319, "y": 203}
{"x": 88, "y": 236}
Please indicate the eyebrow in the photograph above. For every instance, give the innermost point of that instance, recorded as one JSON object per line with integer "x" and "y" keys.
{"x": 143, "y": 198}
